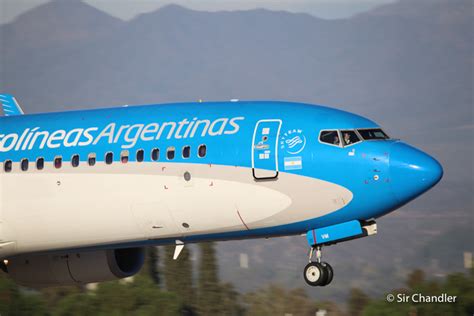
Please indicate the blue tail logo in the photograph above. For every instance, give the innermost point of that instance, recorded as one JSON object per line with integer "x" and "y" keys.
{"x": 9, "y": 105}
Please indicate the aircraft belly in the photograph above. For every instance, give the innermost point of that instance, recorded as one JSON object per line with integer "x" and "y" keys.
{"x": 50, "y": 211}
{"x": 88, "y": 206}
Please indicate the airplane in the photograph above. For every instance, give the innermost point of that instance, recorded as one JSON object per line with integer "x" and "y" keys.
{"x": 82, "y": 193}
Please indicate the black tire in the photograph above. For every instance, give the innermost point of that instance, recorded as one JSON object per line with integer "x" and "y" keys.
{"x": 329, "y": 273}
{"x": 315, "y": 274}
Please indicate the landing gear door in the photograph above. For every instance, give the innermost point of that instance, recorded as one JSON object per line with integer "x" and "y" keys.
{"x": 265, "y": 149}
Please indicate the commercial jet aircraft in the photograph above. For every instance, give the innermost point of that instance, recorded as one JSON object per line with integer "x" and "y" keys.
{"x": 83, "y": 192}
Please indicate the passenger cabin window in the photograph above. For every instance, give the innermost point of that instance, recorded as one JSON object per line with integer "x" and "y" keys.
{"x": 7, "y": 166}
{"x": 40, "y": 163}
{"x": 75, "y": 161}
{"x": 58, "y": 162}
{"x": 372, "y": 133}
{"x": 170, "y": 153}
{"x": 330, "y": 137}
{"x": 109, "y": 158}
{"x": 24, "y": 164}
{"x": 140, "y": 155}
{"x": 124, "y": 156}
{"x": 202, "y": 150}
{"x": 91, "y": 159}
{"x": 349, "y": 137}
{"x": 155, "y": 154}
{"x": 186, "y": 152}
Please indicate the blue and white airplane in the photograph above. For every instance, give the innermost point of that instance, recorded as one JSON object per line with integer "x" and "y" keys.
{"x": 82, "y": 192}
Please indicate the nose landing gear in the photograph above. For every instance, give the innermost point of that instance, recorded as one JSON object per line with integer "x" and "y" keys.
{"x": 317, "y": 273}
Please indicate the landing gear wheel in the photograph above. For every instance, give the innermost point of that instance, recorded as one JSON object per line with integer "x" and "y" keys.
{"x": 315, "y": 274}
{"x": 329, "y": 272}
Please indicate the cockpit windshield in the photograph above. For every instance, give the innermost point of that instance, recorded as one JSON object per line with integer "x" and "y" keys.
{"x": 349, "y": 137}
{"x": 372, "y": 133}
{"x": 330, "y": 137}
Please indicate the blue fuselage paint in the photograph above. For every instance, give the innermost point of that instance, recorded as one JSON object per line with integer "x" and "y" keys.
{"x": 228, "y": 130}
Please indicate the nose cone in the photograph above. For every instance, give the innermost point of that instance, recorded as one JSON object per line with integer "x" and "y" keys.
{"x": 412, "y": 172}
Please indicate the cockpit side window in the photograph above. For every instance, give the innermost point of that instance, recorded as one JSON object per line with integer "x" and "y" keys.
{"x": 372, "y": 133}
{"x": 330, "y": 137}
{"x": 349, "y": 137}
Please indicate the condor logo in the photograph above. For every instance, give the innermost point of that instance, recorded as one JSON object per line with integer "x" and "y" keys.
{"x": 127, "y": 135}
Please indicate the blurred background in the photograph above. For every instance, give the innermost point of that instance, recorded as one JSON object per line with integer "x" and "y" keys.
{"x": 407, "y": 64}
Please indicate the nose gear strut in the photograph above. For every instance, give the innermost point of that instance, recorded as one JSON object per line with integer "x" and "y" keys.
{"x": 319, "y": 273}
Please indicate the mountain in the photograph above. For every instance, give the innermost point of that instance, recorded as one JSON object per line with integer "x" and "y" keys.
{"x": 390, "y": 56}
{"x": 408, "y": 65}
{"x": 46, "y": 36}
{"x": 58, "y": 23}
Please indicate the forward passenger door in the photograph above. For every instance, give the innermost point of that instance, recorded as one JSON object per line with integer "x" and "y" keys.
{"x": 265, "y": 149}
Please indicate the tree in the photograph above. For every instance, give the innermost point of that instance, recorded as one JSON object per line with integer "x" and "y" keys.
{"x": 14, "y": 302}
{"x": 331, "y": 308}
{"x": 462, "y": 286}
{"x": 75, "y": 304}
{"x": 9, "y": 295}
{"x": 230, "y": 300}
{"x": 209, "y": 291}
{"x": 153, "y": 264}
{"x": 415, "y": 278}
{"x": 179, "y": 278}
{"x": 358, "y": 300}
{"x": 275, "y": 300}
{"x": 52, "y": 295}
{"x": 458, "y": 284}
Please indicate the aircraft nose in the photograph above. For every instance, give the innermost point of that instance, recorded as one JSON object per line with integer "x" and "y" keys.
{"x": 412, "y": 172}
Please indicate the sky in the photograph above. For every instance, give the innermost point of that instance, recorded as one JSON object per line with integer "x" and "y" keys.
{"x": 127, "y": 9}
